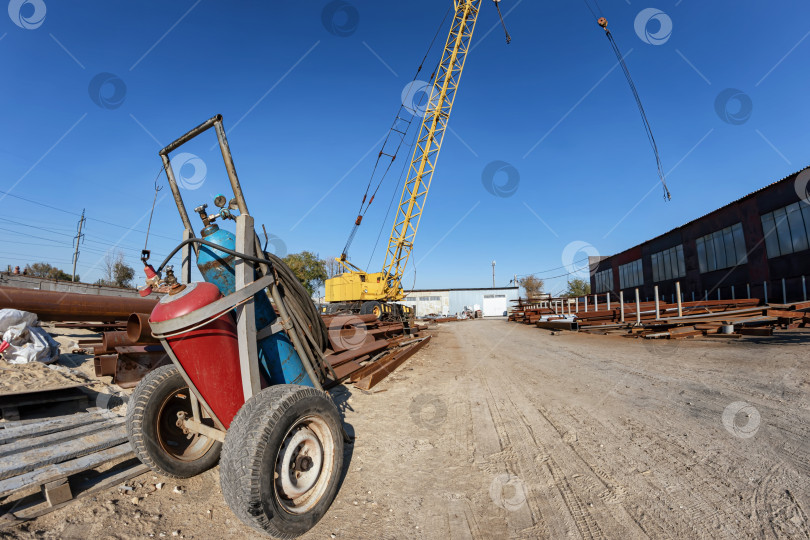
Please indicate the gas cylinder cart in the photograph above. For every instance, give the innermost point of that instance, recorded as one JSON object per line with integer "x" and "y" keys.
{"x": 245, "y": 384}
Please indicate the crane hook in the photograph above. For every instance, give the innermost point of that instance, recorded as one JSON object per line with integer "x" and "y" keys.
{"x": 603, "y": 23}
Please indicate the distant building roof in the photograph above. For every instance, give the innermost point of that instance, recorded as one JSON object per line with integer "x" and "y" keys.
{"x": 463, "y": 289}
{"x": 714, "y": 211}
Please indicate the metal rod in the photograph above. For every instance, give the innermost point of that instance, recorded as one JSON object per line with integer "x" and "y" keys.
{"x": 202, "y": 429}
{"x": 621, "y": 303}
{"x": 784, "y": 292}
{"x": 183, "y": 139}
{"x": 185, "y": 264}
{"x": 595, "y": 303}
{"x": 178, "y": 198}
{"x": 733, "y": 295}
{"x": 765, "y": 286}
{"x": 190, "y": 384}
{"x": 638, "y": 309}
{"x": 680, "y": 298}
{"x": 748, "y": 288}
{"x": 231, "y": 169}
{"x": 804, "y": 290}
{"x": 586, "y": 304}
{"x": 657, "y": 304}
{"x": 608, "y": 300}
{"x": 195, "y": 407}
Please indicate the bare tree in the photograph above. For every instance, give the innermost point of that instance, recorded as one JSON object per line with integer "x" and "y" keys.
{"x": 533, "y": 286}
{"x": 333, "y": 267}
{"x": 117, "y": 273}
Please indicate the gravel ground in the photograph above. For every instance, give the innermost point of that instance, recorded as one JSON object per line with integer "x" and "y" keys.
{"x": 499, "y": 430}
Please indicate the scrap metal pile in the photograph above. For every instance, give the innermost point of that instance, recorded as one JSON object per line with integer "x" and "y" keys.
{"x": 657, "y": 320}
{"x": 126, "y": 359}
{"x": 366, "y": 350}
{"x": 363, "y": 348}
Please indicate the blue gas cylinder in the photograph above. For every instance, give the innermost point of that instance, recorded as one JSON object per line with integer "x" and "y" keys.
{"x": 279, "y": 362}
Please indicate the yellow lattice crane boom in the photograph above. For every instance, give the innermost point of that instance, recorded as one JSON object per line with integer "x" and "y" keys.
{"x": 357, "y": 286}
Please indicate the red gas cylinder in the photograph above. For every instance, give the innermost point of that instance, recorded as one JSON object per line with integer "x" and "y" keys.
{"x": 210, "y": 353}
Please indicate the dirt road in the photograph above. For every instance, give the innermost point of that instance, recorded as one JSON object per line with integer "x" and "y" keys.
{"x": 503, "y": 430}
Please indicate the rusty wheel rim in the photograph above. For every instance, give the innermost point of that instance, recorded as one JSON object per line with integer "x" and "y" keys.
{"x": 179, "y": 445}
{"x": 304, "y": 465}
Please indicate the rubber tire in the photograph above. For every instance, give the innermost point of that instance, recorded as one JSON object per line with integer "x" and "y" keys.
{"x": 142, "y": 420}
{"x": 368, "y": 308}
{"x": 251, "y": 446}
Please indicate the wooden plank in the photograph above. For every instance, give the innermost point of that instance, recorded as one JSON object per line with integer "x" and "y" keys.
{"x": 30, "y": 443}
{"x": 766, "y": 331}
{"x": 47, "y": 389}
{"x": 38, "y": 457}
{"x": 784, "y": 314}
{"x": 57, "y": 492}
{"x": 58, "y": 471}
{"x": 11, "y": 434}
{"x": 683, "y": 335}
{"x": 107, "y": 480}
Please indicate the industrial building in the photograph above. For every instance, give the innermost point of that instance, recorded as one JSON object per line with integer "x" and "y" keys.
{"x": 756, "y": 246}
{"x": 493, "y": 302}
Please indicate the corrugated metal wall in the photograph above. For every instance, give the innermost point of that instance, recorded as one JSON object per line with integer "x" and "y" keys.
{"x": 755, "y": 273}
{"x": 454, "y": 301}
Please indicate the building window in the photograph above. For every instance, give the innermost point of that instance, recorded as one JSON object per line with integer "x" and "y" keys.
{"x": 631, "y": 274}
{"x": 722, "y": 249}
{"x": 604, "y": 280}
{"x": 429, "y": 298}
{"x": 494, "y": 296}
{"x": 668, "y": 264}
{"x": 787, "y": 230}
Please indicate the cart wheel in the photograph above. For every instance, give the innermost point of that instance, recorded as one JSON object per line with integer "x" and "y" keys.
{"x": 153, "y": 432}
{"x": 282, "y": 458}
{"x": 371, "y": 307}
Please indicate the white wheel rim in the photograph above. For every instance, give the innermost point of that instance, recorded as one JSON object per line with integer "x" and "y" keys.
{"x": 304, "y": 465}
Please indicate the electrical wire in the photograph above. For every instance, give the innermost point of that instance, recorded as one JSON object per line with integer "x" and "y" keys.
{"x": 365, "y": 203}
{"x": 52, "y": 231}
{"x": 7, "y": 194}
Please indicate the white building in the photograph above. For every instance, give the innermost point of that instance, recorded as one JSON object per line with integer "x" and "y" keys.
{"x": 449, "y": 302}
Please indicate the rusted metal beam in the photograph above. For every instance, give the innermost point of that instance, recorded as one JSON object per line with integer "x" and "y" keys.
{"x": 370, "y": 380}
{"x": 59, "y": 306}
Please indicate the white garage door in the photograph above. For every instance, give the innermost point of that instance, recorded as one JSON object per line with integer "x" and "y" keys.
{"x": 494, "y": 305}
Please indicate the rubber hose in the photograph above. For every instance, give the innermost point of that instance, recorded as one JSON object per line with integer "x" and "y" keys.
{"x": 298, "y": 301}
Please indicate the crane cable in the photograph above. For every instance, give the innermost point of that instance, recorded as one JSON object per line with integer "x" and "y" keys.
{"x": 602, "y": 21}
{"x": 366, "y": 201}
{"x": 505, "y": 31}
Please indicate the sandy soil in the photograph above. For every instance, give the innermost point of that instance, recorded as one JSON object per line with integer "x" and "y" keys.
{"x": 502, "y": 430}
{"x": 69, "y": 369}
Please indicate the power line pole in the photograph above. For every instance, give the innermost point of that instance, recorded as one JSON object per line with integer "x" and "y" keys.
{"x": 79, "y": 238}
{"x": 493, "y": 274}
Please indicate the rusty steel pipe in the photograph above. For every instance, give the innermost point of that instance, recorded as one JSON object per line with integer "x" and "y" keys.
{"x": 138, "y": 329}
{"x": 59, "y": 306}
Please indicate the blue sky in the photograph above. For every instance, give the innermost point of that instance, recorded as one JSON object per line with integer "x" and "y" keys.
{"x": 305, "y": 108}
